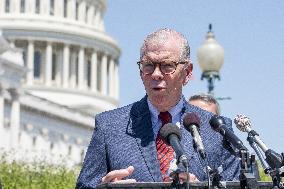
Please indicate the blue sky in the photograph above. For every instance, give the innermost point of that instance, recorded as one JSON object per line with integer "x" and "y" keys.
{"x": 252, "y": 35}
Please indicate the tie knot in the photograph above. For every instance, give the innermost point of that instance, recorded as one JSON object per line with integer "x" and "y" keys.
{"x": 165, "y": 117}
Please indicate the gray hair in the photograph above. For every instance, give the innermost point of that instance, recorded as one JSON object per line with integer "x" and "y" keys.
{"x": 208, "y": 99}
{"x": 161, "y": 36}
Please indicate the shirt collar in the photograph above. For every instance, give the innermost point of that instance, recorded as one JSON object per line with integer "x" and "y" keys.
{"x": 173, "y": 111}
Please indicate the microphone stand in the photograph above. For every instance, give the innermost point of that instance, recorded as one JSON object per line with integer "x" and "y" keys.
{"x": 277, "y": 173}
{"x": 247, "y": 179}
{"x": 202, "y": 157}
{"x": 216, "y": 177}
{"x": 260, "y": 156}
{"x": 215, "y": 174}
{"x": 175, "y": 175}
{"x": 176, "y": 183}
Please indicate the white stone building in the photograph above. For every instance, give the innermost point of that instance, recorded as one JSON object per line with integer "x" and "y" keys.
{"x": 58, "y": 68}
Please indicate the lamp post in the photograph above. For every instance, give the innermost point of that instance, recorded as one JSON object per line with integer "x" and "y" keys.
{"x": 210, "y": 57}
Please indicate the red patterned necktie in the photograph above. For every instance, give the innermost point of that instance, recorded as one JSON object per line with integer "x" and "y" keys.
{"x": 165, "y": 153}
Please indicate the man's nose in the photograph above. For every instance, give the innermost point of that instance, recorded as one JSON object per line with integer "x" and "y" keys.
{"x": 157, "y": 74}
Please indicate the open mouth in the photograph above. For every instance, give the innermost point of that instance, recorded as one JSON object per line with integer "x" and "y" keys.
{"x": 158, "y": 88}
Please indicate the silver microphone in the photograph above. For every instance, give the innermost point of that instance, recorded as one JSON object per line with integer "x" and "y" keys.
{"x": 243, "y": 124}
{"x": 273, "y": 159}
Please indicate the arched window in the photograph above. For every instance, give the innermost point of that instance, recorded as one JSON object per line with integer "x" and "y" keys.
{"x": 99, "y": 74}
{"x": 25, "y": 57}
{"x": 23, "y": 6}
{"x": 7, "y": 6}
{"x": 37, "y": 64}
{"x": 89, "y": 73}
{"x": 77, "y": 11}
{"x": 37, "y": 6}
{"x": 108, "y": 77}
{"x": 54, "y": 70}
{"x": 51, "y": 10}
{"x": 86, "y": 17}
{"x": 77, "y": 69}
{"x": 65, "y": 9}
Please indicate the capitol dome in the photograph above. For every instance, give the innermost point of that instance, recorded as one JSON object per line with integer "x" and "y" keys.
{"x": 70, "y": 58}
{"x": 58, "y": 68}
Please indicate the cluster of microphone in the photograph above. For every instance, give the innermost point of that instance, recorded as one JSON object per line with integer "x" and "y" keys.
{"x": 273, "y": 163}
{"x": 171, "y": 134}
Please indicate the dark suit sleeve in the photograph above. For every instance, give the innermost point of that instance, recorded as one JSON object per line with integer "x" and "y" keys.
{"x": 230, "y": 163}
{"x": 95, "y": 163}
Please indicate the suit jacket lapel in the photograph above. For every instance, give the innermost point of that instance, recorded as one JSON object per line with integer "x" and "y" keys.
{"x": 141, "y": 128}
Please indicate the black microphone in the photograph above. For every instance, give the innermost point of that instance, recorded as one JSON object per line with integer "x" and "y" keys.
{"x": 218, "y": 124}
{"x": 171, "y": 134}
{"x": 191, "y": 123}
{"x": 274, "y": 159}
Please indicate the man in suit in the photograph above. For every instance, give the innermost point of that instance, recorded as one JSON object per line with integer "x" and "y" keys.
{"x": 126, "y": 146}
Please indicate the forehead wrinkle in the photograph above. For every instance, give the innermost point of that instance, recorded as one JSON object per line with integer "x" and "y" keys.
{"x": 159, "y": 55}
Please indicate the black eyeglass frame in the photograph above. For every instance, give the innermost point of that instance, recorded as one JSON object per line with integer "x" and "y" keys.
{"x": 139, "y": 63}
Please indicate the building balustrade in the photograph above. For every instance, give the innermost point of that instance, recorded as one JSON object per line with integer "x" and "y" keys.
{"x": 87, "y": 12}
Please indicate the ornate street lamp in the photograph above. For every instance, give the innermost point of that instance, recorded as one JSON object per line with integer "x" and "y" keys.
{"x": 210, "y": 57}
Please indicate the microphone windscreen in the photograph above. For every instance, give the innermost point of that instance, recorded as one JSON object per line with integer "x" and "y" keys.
{"x": 191, "y": 119}
{"x": 242, "y": 123}
{"x": 169, "y": 129}
{"x": 216, "y": 121}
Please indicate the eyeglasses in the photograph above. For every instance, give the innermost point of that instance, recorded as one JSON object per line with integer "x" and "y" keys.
{"x": 165, "y": 67}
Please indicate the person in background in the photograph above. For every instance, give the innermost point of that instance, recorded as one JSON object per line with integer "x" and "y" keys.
{"x": 206, "y": 102}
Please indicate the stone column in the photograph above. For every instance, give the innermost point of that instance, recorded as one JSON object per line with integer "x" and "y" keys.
{"x": 101, "y": 23}
{"x": 2, "y": 105}
{"x": 97, "y": 17}
{"x": 90, "y": 14}
{"x": 82, "y": 11}
{"x": 30, "y": 63}
{"x": 14, "y": 8}
{"x": 94, "y": 62}
{"x": 2, "y": 7}
{"x": 30, "y": 6}
{"x": 116, "y": 78}
{"x": 111, "y": 78}
{"x": 104, "y": 74}
{"x": 71, "y": 9}
{"x": 44, "y": 7}
{"x": 63, "y": 145}
{"x": 48, "y": 64}
{"x": 12, "y": 43}
{"x": 58, "y": 65}
{"x": 14, "y": 118}
{"x": 59, "y": 8}
{"x": 25, "y": 143}
{"x": 81, "y": 59}
{"x": 26, "y": 140}
{"x": 73, "y": 70}
{"x": 65, "y": 66}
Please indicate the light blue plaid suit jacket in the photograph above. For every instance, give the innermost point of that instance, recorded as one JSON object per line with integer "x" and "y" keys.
{"x": 124, "y": 137}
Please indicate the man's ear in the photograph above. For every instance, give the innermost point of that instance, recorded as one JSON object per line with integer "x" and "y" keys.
{"x": 188, "y": 71}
